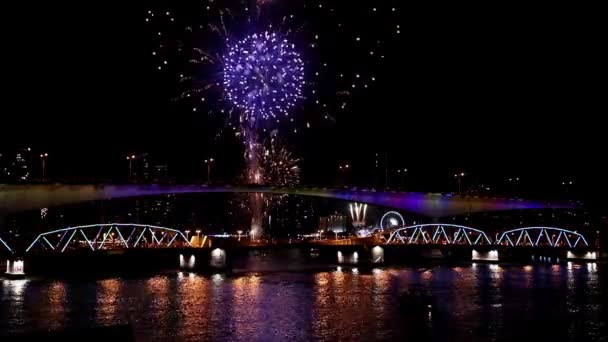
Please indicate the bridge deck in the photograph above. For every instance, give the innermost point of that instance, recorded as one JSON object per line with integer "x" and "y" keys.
{"x": 15, "y": 198}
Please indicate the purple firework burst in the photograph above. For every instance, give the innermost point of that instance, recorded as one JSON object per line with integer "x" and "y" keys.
{"x": 263, "y": 76}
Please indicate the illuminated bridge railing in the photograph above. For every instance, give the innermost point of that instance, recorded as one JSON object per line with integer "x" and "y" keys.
{"x": 439, "y": 234}
{"x": 542, "y": 236}
{"x": 109, "y": 236}
{"x": 5, "y": 245}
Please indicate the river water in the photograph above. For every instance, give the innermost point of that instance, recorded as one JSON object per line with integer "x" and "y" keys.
{"x": 477, "y": 302}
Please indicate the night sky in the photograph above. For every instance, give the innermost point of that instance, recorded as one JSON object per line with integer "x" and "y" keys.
{"x": 494, "y": 91}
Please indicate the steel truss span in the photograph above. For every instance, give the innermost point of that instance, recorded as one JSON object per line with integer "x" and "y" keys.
{"x": 439, "y": 234}
{"x": 5, "y": 245}
{"x": 109, "y": 236}
{"x": 542, "y": 236}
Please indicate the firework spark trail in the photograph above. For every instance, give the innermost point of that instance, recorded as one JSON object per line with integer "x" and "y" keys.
{"x": 263, "y": 76}
{"x": 345, "y": 39}
{"x": 270, "y": 163}
{"x": 278, "y": 166}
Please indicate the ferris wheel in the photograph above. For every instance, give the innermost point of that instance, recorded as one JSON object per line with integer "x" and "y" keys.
{"x": 391, "y": 219}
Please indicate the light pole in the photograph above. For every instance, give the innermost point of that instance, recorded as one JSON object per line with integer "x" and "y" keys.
{"x": 130, "y": 159}
{"x": 513, "y": 182}
{"x": 345, "y": 168}
{"x": 209, "y": 162}
{"x": 566, "y": 184}
{"x": 43, "y": 157}
{"x": 402, "y": 173}
{"x": 459, "y": 176}
{"x": 188, "y": 234}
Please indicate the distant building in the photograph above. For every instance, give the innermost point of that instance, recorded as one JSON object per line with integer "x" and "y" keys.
{"x": 144, "y": 171}
{"x": 333, "y": 223}
{"x": 155, "y": 210}
{"x": 161, "y": 173}
{"x": 289, "y": 215}
{"x": 148, "y": 169}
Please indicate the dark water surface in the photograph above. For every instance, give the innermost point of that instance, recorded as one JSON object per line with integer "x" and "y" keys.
{"x": 476, "y": 303}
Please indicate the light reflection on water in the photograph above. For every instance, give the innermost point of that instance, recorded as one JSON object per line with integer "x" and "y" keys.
{"x": 485, "y": 302}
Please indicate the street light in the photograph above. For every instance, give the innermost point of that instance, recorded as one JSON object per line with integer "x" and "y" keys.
{"x": 130, "y": 159}
{"x": 514, "y": 182}
{"x": 198, "y": 232}
{"x": 567, "y": 185}
{"x": 43, "y": 158}
{"x": 187, "y": 234}
{"x": 459, "y": 176}
{"x": 402, "y": 173}
{"x": 344, "y": 167}
{"x": 209, "y": 162}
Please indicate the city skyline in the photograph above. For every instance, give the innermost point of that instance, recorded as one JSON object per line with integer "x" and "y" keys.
{"x": 481, "y": 97}
{"x": 302, "y": 170}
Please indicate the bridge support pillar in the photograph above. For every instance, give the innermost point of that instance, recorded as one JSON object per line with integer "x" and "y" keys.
{"x": 203, "y": 259}
{"x": 377, "y": 255}
{"x": 15, "y": 268}
{"x": 348, "y": 257}
{"x": 582, "y": 255}
{"x": 484, "y": 255}
{"x": 218, "y": 258}
{"x": 187, "y": 261}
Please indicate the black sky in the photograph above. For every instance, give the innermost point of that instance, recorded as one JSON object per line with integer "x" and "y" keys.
{"x": 496, "y": 90}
